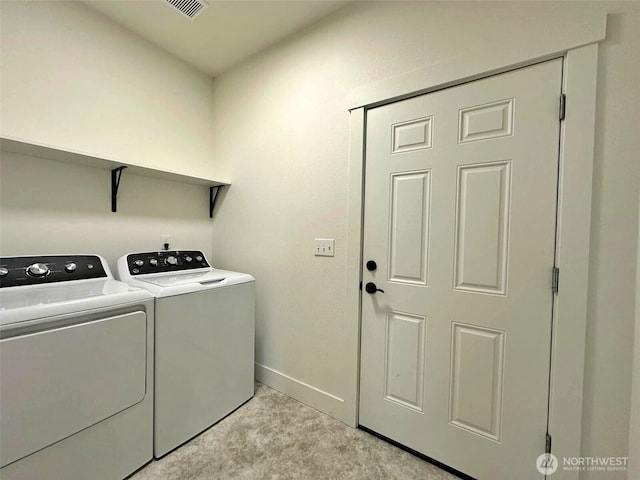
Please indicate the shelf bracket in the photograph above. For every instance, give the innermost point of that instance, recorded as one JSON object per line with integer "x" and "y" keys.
{"x": 213, "y": 195}
{"x": 116, "y": 173}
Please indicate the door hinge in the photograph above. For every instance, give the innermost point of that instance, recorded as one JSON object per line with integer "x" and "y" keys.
{"x": 563, "y": 106}
{"x": 555, "y": 279}
{"x": 547, "y": 444}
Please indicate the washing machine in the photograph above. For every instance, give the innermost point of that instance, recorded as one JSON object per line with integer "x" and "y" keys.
{"x": 76, "y": 370}
{"x": 204, "y": 340}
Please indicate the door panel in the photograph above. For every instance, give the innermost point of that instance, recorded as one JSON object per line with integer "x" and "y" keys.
{"x": 488, "y": 121}
{"x": 409, "y": 229}
{"x": 477, "y": 366}
{"x": 482, "y": 227}
{"x": 460, "y": 205}
{"x": 404, "y": 359}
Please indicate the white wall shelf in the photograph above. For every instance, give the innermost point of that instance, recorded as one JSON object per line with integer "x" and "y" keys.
{"x": 115, "y": 167}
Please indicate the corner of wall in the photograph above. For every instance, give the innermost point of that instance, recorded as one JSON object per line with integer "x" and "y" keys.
{"x": 634, "y": 423}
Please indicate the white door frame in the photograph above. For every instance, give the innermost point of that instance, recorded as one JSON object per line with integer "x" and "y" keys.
{"x": 574, "y": 208}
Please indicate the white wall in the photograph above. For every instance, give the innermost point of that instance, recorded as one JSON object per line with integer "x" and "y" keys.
{"x": 281, "y": 131}
{"x": 56, "y": 207}
{"x": 613, "y": 240}
{"x": 72, "y": 79}
{"x": 634, "y": 423}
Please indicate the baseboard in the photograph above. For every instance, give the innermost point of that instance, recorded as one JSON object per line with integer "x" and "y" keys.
{"x": 303, "y": 392}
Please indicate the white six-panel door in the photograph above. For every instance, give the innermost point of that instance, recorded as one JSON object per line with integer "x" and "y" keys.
{"x": 460, "y": 218}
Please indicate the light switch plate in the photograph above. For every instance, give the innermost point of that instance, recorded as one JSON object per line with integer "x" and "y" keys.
{"x": 325, "y": 247}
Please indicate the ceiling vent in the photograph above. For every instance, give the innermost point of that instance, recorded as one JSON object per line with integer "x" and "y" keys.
{"x": 190, "y": 8}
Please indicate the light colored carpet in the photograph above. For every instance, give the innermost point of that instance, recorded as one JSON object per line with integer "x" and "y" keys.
{"x": 275, "y": 437}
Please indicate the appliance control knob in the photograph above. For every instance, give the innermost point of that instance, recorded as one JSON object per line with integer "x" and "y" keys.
{"x": 153, "y": 262}
{"x": 171, "y": 260}
{"x": 3, "y": 272}
{"x": 199, "y": 258}
{"x": 38, "y": 270}
{"x": 138, "y": 263}
{"x": 70, "y": 267}
{"x": 188, "y": 259}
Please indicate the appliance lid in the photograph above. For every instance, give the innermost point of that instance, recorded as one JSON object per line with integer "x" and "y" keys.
{"x": 206, "y": 277}
{"x": 167, "y": 285}
{"x": 18, "y": 304}
{"x": 175, "y": 272}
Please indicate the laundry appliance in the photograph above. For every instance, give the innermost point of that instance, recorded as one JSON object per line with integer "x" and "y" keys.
{"x": 204, "y": 340}
{"x": 76, "y": 370}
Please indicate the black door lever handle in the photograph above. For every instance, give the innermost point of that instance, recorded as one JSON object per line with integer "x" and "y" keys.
{"x": 371, "y": 288}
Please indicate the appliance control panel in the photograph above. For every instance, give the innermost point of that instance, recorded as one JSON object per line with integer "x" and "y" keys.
{"x": 165, "y": 261}
{"x": 37, "y": 270}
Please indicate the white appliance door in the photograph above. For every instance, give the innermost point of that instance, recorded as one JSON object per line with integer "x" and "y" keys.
{"x": 460, "y": 210}
{"x": 54, "y": 383}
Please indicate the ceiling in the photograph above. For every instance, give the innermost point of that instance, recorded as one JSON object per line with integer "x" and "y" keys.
{"x": 222, "y": 34}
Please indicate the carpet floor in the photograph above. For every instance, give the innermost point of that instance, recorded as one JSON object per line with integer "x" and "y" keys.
{"x": 275, "y": 437}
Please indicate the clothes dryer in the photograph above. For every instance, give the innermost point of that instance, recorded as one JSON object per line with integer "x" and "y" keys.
{"x": 76, "y": 370}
